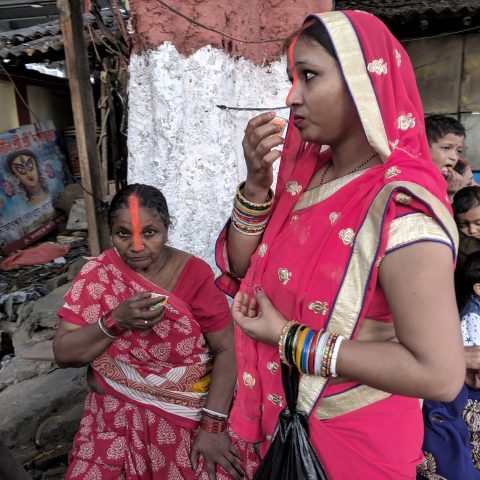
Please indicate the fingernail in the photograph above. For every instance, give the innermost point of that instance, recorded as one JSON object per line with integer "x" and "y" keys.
{"x": 257, "y": 289}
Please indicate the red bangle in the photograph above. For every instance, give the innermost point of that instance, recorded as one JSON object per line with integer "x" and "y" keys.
{"x": 213, "y": 426}
{"x": 109, "y": 322}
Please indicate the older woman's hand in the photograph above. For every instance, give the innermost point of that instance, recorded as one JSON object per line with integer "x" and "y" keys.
{"x": 259, "y": 142}
{"x": 134, "y": 313}
{"x": 216, "y": 448}
{"x": 257, "y": 317}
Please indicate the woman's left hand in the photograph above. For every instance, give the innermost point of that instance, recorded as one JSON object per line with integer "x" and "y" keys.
{"x": 257, "y": 317}
{"x": 216, "y": 448}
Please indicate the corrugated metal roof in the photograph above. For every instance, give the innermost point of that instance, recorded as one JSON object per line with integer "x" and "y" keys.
{"x": 23, "y": 43}
{"x": 391, "y": 8}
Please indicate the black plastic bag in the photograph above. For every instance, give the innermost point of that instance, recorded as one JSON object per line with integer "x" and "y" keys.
{"x": 291, "y": 456}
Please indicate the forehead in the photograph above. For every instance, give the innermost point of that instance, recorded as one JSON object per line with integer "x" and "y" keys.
{"x": 471, "y": 215}
{"x": 146, "y": 216}
{"x": 307, "y": 50}
{"x": 452, "y": 139}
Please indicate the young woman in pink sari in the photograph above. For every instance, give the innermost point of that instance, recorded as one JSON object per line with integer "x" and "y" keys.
{"x": 158, "y": 337}
{"x": 357, "y": 248}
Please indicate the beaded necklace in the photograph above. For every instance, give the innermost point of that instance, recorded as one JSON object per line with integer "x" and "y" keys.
{"x": 358, "y": 167}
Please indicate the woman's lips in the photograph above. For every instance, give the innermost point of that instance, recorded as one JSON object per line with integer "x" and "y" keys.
{"x": 445, "y": 171}
{"x": 137, "y": 259}
{"x": 298, "y": 120}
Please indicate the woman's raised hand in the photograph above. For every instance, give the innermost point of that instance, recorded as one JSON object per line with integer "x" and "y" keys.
{"x": 134, "y": 313}
{"x": 259, "y": 142}
{"x": 257, "y": 317}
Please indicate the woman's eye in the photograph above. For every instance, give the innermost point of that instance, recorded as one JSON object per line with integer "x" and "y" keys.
{"x": 123, "y": 234}
{"x": 149, "y": 232}
{"x": 308, "y": 75}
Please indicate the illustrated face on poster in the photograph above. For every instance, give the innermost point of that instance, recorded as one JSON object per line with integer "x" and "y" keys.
{"x": 24, "y": 165}
{"x": 31, "y": 175}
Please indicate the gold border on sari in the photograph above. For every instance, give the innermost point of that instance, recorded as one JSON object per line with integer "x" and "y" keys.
{"x": 322, "y": 192}
{"x": 352, "y": 62}
{"x": 414, "y": 228}
{"x": 349, "y": 401}
{"x": 349, "y": 302}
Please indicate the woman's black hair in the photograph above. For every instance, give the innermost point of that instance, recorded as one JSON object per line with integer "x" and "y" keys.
{"x": 148, "y": 197}
{"x": 315, "y": 30}
{"x": 471, "y": 270}
{"x": 466, "y": 199}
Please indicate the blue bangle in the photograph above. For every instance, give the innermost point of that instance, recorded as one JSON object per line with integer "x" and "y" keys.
{"x": 305, "y": 349}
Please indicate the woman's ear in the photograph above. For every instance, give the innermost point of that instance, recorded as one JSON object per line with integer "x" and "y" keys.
{"x": 476, "y": 289}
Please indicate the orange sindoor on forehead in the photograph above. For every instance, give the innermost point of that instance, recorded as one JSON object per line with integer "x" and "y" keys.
{"x": 133, "y": 208}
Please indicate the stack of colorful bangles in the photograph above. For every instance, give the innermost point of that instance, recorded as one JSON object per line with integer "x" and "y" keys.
{"x": 312, "y": 352}
{"x": 248, "y": 217}
{"x": 213, "y": 422}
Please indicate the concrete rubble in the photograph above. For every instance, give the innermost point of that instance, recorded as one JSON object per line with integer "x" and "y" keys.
{"x": 41, "y": 403}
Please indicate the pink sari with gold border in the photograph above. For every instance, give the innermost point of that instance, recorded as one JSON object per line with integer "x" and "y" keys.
{"x": 318, "y": 262}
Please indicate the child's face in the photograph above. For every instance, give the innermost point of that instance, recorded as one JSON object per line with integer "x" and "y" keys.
{"x": 446, "y": 151}
{"x": 469, "y": 222}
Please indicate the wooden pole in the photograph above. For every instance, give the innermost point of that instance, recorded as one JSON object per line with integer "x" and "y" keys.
{"x": 71, "y": 20}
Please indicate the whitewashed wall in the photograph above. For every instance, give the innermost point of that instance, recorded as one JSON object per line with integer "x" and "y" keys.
{"x": 180, "y": 142}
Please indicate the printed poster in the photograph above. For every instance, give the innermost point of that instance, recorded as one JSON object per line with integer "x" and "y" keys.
{"x": 31, "y": 176}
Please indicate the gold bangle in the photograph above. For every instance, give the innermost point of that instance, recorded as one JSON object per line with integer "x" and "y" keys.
{"x": 260, "y": 206}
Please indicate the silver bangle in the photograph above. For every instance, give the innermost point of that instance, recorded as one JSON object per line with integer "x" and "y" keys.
{"x": 104, "y": 329}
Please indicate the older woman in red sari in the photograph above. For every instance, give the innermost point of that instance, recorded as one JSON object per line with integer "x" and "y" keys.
{"x": 158, "y": 336}
{"x": 347, "y": 271}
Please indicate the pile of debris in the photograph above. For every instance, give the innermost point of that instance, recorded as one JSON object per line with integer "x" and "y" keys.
{"x": 41, "y": 403}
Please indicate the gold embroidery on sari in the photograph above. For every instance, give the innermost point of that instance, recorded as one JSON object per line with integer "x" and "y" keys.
{"x": 394, "y": 144}
{"x": 348, "y": 304}
{"x": 249, "y": 380}
{"x": 398, "y": 57}
{"x": 284, "y": 275}
{"x": 351, "y": 59}
{"x": 318, "y": 307}
{"x": 294, "y": 218}
{"x": 471, "y": 415}
{"x": 428, "y": 468}
{"x": 293, "y": 188}
{"x": 347, "y": 235}
{"x": 272, "y": 367}
{"x": 378, "y": 66}
{"x": 263, "y": 249}
{"x": 333, "y": 217}
{"x": 275, "y": 399}
{"x": 403, "y": 198}
{"x": 392, "y": 172}
{"x": 404, "y": 122}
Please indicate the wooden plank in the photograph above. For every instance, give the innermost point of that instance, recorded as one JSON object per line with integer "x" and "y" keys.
{"x": 470, "y": 98}
{"x": 438, "y": 69}
{"x": 78, "y": 70}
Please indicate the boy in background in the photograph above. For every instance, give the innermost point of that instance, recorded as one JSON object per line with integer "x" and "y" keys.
{"x": 446, "y": 137}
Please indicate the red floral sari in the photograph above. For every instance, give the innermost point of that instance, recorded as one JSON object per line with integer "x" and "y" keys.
{"x": 319, "y": 257}
{"x": 156, "y": 381}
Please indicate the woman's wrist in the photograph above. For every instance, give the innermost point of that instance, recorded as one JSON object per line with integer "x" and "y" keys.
{"x": 212, "y": 421}
{"x": 253, "y": 193}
